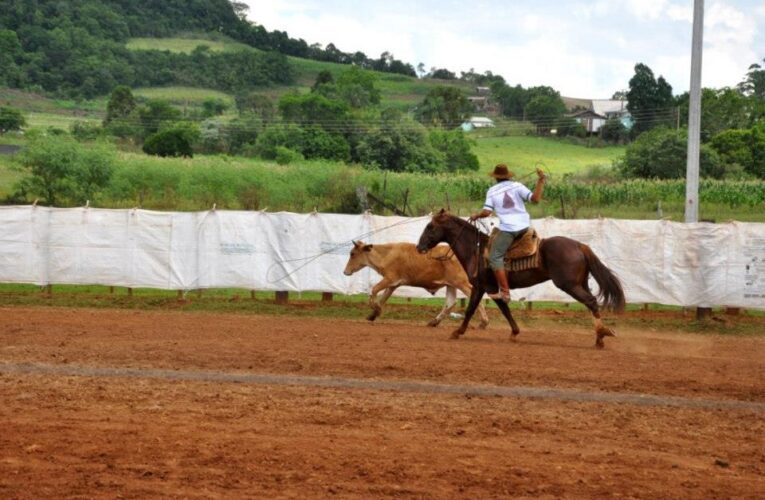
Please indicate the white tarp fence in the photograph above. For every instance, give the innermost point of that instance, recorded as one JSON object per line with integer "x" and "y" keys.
{"x": 657, "y": 261}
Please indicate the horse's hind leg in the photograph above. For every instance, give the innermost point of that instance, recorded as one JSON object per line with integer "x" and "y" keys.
{"x": 451, "y": 299}
{"x": 582, "y": 294}
{"x": 508, "y": 316}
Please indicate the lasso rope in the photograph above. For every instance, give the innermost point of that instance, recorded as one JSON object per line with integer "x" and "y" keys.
{"x": 312, "y": 258}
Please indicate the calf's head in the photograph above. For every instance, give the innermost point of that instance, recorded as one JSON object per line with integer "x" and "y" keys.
{"x": 359, "y": 257}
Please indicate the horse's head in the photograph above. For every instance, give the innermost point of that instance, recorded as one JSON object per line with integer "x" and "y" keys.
{"x": 359, "y": 257}
{"x": 434, "y": 233}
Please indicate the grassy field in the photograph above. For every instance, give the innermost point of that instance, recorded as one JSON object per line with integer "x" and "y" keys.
{"x": 400, "y": 91}
{"x": 180, "y": 95}
{"x": 355, "y": 306}
{"x": 522, "y": 154}
{"x": 186, "y": 45}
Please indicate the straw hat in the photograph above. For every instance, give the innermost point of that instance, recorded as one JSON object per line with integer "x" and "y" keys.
{"x": 501, "y": 172}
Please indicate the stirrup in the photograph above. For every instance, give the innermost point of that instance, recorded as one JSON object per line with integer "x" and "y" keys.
{"x": 503, "y": 295}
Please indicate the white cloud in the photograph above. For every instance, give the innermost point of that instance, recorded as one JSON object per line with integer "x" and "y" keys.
{"x": 588, "y": 50}
{"x": 646, "y": 9}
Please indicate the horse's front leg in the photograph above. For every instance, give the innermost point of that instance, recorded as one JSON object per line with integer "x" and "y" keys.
{"x": 384, "y": 284}
{"x": 508, "y": 316}
{"x": 475, "y": 298}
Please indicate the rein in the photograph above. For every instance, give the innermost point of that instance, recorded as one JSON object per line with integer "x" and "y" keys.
{"x": 450, "y": 253}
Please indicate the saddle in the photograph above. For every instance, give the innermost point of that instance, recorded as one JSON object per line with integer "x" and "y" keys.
{"x": 523, "y": 254}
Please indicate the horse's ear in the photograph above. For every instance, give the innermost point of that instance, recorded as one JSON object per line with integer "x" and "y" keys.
{"x": 367, "y": 248}
{"x": 357, "y": 244}
{"x": 442, "y": 212}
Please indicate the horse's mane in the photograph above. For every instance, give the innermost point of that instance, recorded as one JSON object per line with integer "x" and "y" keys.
{"x": 445, "y": 216}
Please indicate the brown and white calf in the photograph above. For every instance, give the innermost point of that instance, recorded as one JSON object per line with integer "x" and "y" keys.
{"x": 400, "y": 264}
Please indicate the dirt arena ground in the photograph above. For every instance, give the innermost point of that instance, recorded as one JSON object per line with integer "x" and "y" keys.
{"x": 126, "y": 404}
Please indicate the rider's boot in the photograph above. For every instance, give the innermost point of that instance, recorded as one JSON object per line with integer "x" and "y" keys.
{"x": 503, "y": 290}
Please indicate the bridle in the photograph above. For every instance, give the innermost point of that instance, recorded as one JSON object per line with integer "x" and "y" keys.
{"x": 449, "y": 254}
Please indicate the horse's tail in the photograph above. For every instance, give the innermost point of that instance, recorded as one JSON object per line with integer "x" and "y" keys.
{"x": 611, "y": 293}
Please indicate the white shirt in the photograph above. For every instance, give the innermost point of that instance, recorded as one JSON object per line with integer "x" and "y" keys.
{"x": 506, "y": 200}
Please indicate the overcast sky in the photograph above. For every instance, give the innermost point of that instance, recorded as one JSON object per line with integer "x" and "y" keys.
{"x": 581, "y": 48}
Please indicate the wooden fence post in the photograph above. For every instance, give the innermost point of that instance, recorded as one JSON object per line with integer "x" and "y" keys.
{"x": 326, "y": 297}
{"x": 252, "y": 294}
{"x": 282, "y": 297}
{"x": 703, "y": 313}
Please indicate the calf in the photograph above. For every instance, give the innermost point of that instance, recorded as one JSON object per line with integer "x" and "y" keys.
{"x": 401, "y": 264}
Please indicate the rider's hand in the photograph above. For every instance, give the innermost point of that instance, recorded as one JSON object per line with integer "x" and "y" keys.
{"x": 473, "y": 217}
{"x": 541, "y": 175}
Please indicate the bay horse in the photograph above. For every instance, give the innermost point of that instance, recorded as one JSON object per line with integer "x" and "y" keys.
{"x": 565, "y": 261}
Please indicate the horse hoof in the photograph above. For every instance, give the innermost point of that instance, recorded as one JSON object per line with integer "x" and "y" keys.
{"x": 433, "y": 323}
{"x": 599, "y": 344}
{"x": 371, "y": 317}
{"x": 456, "y": 334}
{"x": 514, "y": 336}
{"x": 483, "y": 325}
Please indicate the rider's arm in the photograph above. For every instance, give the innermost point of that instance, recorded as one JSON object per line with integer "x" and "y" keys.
{"x": 480, "y": 215}
{"x": 536, "y": 196}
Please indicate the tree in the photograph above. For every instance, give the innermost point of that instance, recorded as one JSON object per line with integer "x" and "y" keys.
{"x": 357, "y": 88}
{"x": 312, "y": 108}
{"x": 324, "y": 77}
{"x": 441, "y": 74}
{"x": 121, "y": 104}
{"x": 455, "y": 147}
{"x": 544, "y": 111}
{"x": 444, "y": 106}
{"x": 256, "y": 104}
{"x": 754, "y": 83}
{"x": 401, "y": 146}
{"x": 62, "y": 172}
{"x": 512, "y": 100}
{"x": 11, "y": 119}
{"x": 649, "y": 100}
{"x": 213, "y": 107}
{"x": 155, "y": 113}
{"x": 721, "y": 109}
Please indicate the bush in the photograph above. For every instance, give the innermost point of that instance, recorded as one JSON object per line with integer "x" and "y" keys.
{"x": 662, "y": 153}
{"x": 285, "y": 156}
{"x": 288, "y": 136}
{"x": 11, "y": 119}
{"x": 84, "y": 131}
{"x": 62, "y": 172}
{"x": 614, "y": 131}
{"x": 569, "y": 127}
{"x": 744, "y": 148}
{"x": 177, "y": 140}
{"x": 317, "y": 143}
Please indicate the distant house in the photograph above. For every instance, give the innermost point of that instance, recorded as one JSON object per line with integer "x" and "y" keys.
{"x": 479, "y": 102}
{"x": 594, "y": 113}
{"x": 475, "y": 122}
{"x": 483, "y": 90}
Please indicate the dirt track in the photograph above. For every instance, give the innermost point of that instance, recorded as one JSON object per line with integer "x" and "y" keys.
{"x": 143, "y": 434}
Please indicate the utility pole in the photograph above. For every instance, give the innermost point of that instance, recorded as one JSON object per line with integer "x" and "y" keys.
{"x": 694, "y": 117}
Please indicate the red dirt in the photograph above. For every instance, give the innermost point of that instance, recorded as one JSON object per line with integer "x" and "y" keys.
{"x": 69, "y": 436}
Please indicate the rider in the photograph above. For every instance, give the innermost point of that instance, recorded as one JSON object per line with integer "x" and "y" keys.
{"x": 505, "y": 198}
